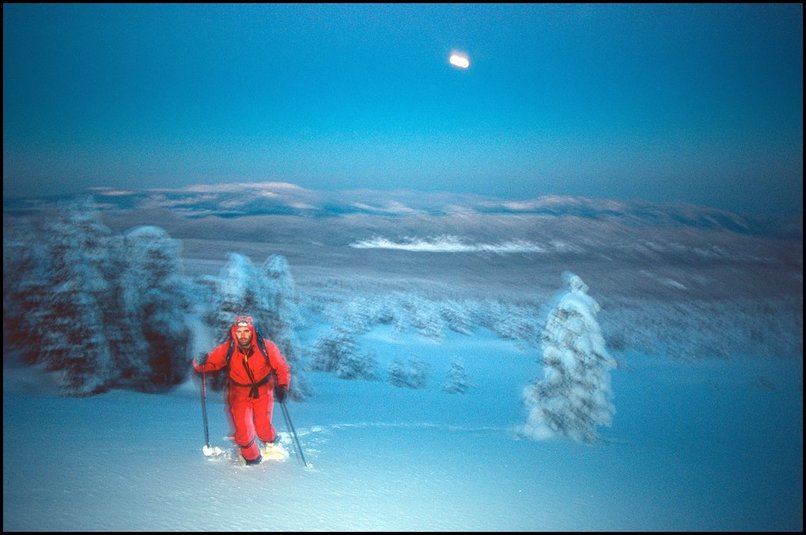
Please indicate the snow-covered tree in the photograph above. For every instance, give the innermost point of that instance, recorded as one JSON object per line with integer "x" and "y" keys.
{"x": 25, "y": 261}
{"x": 425, "y": 315}
{"x": 456, "y": 314}
{"x": 69, "y": 322}
{"x": 279, "y": 317}
{"x": 410, "y": 373}
{"x": 278, "y": 311}
{"x": 574, "y": 396}
{"x": 337, "y": 352}
{"x": 238, "y": 292}
{"x": 458, "y": 380}
{"x": 155, "y": 305}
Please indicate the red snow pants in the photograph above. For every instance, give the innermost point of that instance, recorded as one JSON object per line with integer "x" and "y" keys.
{"x": 251, "y": 416}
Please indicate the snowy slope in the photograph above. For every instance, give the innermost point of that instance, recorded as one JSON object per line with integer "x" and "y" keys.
{"x": 701, "y": 310}
{"x": 715, "y": 445}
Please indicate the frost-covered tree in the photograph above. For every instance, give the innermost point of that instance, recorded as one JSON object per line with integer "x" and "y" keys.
{"x": 278, "y": 310}
{"x": 155, "y": 304}
{"x": 574, "y": 396}
{"x": 458, "y": 380}
{"x": 456, "y": 314}
{"x": 25, "y": 261}
{"x": 238, "y": 292}
{"x": 337, "y": 352}
{"x": 279, "y": 317}
{"x": 69, "y": 322}
{"x": 425, "y": 316}
{"x": 410, "y": 373}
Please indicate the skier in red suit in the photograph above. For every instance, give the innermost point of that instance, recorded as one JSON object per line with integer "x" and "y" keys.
{"x": 253, "y": 384}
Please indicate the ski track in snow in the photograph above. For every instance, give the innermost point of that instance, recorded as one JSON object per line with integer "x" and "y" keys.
{"x": 403, "y": 425}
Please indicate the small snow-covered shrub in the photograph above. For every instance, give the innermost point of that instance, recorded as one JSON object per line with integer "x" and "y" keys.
{"x": 458, "y": 380}
{"x": 412, "y": 373}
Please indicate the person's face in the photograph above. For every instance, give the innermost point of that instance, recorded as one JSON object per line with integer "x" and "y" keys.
{"x": 244, "y": 335}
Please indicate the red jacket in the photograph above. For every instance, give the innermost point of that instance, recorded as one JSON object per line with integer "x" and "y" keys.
{"x": 217, "y": 359}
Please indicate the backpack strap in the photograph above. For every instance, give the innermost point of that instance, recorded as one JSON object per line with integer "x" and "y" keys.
{"x": 260, "y": 345}
{"x": 230, "y": 350}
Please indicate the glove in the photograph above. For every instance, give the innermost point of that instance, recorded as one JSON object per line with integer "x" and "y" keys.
{"x": 280, "y": 392}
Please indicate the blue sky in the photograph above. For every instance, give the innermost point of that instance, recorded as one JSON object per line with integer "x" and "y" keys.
{"x": 690, "y": 103}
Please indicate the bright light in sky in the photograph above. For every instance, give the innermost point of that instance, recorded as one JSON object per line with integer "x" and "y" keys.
{"x": 460, "y": 61}
{"x": 584, "y": 100}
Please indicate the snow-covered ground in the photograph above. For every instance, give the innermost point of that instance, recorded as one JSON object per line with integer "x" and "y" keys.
{"x": 709, "y": 445}
{"x": 704, "y": 321}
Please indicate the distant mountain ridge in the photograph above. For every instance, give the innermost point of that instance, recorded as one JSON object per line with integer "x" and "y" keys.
{"x": 233, "y": 200}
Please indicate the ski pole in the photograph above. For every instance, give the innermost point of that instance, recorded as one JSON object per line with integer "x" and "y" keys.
{"x": 204, "y": 410}
{"x": 290, "y": 427}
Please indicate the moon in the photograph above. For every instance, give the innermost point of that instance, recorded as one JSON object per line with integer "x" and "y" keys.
{"x": 459, "y": 60}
